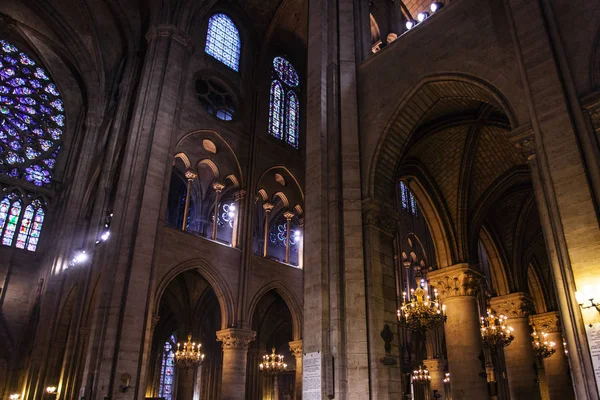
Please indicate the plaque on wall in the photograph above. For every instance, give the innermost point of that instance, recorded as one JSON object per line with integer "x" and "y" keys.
{"x": 593, "y": 334}
{"x": 311, "y": 376}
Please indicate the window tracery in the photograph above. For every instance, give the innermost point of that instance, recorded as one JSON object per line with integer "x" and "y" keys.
{"x": 284, "y": 107}
{"x": 31, "y": 118}
{"x": 223, "y": 41}
{"x": 407, "y": 199}
{"x": 29, "y": 218}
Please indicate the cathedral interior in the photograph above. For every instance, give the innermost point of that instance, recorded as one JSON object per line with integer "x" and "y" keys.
{"x": 299, "y": 199}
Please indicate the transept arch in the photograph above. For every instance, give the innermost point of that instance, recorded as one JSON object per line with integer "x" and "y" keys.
{"x": 213, "y": 277}
{"x": 288, "y": 297}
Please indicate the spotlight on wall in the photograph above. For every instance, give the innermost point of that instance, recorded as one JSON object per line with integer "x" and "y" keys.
{"x": 15, "y": 396}
{"x": 79, "y": 257}
{"x": 51, "y": 390}
{"x": 435, "y": 6}
{"x": 422, "y": 16}
{"x": 587, "y": 299}
{"x": 410, "y": 24}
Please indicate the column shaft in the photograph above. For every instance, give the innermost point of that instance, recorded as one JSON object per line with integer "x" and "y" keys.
{"x": 235, "y": 349}
{"x": 297, "y": 352}
{"x": 558, "y": 376}
{"x": 520, "y": 362}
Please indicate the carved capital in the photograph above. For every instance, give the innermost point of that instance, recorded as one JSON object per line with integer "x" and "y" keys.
{"x": 547, "y": 322}
{"x": 232, "y": 338}
{"x": 380, "y": 216}
{"x": 218, "y": 186}
{"x": 514, "y": 305}
{"x": 288, "y": 215}
{"x": 522, "y": 139}
{"x": 296, "y": 348}
{"x": 268, "y": 207}
{"x": 170, "y": 31}
{"x": 190, "y": 175}
{"x": 239, "y": 195}
{"x": 456, "y": 280}
{"x": 435, "y": 365}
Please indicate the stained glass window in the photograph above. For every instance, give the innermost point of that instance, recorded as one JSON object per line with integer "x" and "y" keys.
{"x": 4, "y": 207}
{"x": 276, "y": 111}
{"x": 11, "y": 223}
{"x": 223, "y": 41}
{"x": 31, "y": 226}
{"x": 31, "y": 118}
{"x": 407, "y": 199}
{"x": 292, "y": 109}
{"x": 284, "y": 111}
{"x": 167, "y": 370}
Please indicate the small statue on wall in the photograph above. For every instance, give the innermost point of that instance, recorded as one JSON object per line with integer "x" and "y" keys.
{"x": 387, "y": 336}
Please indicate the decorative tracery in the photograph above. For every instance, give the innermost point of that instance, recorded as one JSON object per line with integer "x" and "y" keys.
{"x": 284, "y": 110}
{"x": 31, "y": 118}
{"x": 29, "y": 218}
{"x": 223, "y": 41}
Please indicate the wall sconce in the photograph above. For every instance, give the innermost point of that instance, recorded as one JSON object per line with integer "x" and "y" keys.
{"x": 587, "y": 299}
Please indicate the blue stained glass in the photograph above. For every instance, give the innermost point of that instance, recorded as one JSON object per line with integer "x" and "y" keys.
{"x": 25, "y": 60}
{"x": 292, "y": 109}
{"x": 11, "y": 226}
{"x": 7, "y": 47}
{"x": 286, "y": 72}
{"x": 276, "y": 111}
{"x": 167, "y": 371}
{"x": 31, "y": 117}
{"x": 223, "y": 41}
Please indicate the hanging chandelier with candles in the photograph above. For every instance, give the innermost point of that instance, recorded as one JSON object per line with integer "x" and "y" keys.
{"x": 420, "y": 376}
{"x": 272, "y": 364}
{"x": 421, "y": 311}
{"x": 542, "y": 347}
{"x": 495, "y": 332}
{"x": 190, "y": 356}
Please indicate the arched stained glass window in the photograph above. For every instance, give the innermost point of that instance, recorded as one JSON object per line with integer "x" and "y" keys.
{"x": 407, "y": 199}
{"x": 223, "y": 41}
{"x": 31, "y": 226}
{"x": 276, "y": 111}
{"x": 284, "y": 111}
{"x": 11, "y": 223}
{"x": 4, "y": 207}
{"x": 167, "y": 370}
{"x": 292, "y": 108}
{"x": 31, "y": 118}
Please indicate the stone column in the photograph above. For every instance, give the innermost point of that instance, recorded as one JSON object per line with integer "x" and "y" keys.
{"x": 518, "y": 356}
{"x": 190, "y": 175}
{"x": 437, "y": 372}
{"x": 238, "y": 197}
{"x": 457, "y": 286}
{"x": 556, "y": 366}
{"x": 268, "y": 207}
{"x": 218, "y": 188}
{"x": 296, "y": 350}
{"x": 235, "y": 349}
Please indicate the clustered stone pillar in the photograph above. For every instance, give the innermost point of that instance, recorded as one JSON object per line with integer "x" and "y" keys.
{"x": 556, "y": 366}
{"x": 296, "y": 350}
{"x": 457, "y": 286}
{"x": 268, "y": 207}
{"x": 218, "y": 189}
{"x": 190, "y": 175}
{"x": 519, "y": 357}
{"x": 288, "y": 229}
{"x": 235, "y": 349}
{"x": 238, "y": 197}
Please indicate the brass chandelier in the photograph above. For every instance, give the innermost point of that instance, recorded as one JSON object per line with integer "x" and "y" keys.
{"x": 494, "y": 331}
{"x": 542, "y": 347}
{"x": 190, "y": 356}
{"x": 272, "y": 364}
{"x": 420, "y": 376}
{"x": 419, "y": 312}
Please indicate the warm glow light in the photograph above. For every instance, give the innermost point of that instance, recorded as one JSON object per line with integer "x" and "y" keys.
{"x": 580, "y": 298}
{"x": 15, "y": 396}
{"x": 51, "y": 389}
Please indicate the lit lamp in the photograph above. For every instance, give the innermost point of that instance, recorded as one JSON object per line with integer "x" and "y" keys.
{"x": 15, "y": 396}
{"x": 419, "y": 312}
{"x": 191, "y": 355}
{"x": 51, "y": 390}
{"x": 494, "y": 331}
{"x": 542, "y": 347}
{"x": 420, "y": 376}
{"x": 587, "y": 299}
{"x": 273, "y": 365}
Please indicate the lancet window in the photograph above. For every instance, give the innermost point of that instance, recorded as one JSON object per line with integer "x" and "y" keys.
{"x": 284, "y": 106}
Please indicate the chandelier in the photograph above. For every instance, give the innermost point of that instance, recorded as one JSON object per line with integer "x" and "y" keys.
{"x": 272, "y": 363}
{"x": 419, "y": 312}
{"x": 420, "y": 376}
{"x": 542, "y": 347}
{"x": 191, "y": 355}
{"x": 494, "y": 331}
